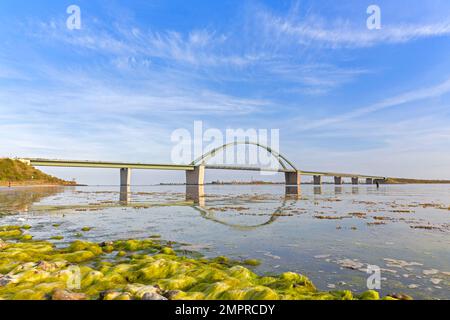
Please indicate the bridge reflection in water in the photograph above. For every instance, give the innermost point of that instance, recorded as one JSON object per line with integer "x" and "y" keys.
{"x": 196, "y": 193}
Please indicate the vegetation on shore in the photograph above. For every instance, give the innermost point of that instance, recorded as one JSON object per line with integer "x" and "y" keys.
{"x": 414, "y": 181}
{"x": 16, "y": 172}
{"x": 149, "y": 269}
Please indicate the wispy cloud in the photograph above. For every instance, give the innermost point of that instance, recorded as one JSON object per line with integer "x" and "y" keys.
{"x": 338, "y": 33}
{"x": 401, "y": 99}
{"x": 206, "y": 53}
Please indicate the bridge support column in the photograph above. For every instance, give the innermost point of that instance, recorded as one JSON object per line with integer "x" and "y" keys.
{"x": 355, "y": 181}
{"x": 125, "y": 194}
{"x": 196, "y": 176}
{"x": 196, "y": 193}
{"x": 317, "y": 180}
{"x": 293, "y": 178}
{"x": 369, "y": 181}
{"x": 125, "y": 177}
{"x": 338, "y": 180}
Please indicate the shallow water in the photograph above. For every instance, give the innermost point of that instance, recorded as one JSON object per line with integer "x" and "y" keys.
{"x": 330, "y": 234}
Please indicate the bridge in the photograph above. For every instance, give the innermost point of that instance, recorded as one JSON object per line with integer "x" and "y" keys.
{"x": 195, "y": 171}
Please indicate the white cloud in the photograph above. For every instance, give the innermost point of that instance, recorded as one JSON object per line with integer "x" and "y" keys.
{"x": 314, "y": 30}
{"x": 401, "y": 99}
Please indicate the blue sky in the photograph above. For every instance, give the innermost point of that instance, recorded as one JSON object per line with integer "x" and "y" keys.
{"x": 345, "y": 98}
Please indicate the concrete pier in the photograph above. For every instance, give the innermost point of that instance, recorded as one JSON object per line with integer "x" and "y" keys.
{"x": 293, "y": 178}
{"x": 196, "y": 176}
{"x": 317, "y": 180}
{"x": 355, "y": 181}
{"x": 338, "y": 180}
{"x": 196, "y": 193}
{"x": 369, "y": 181}
{"x": 125, "y": 177}
{"x": 125, "y": 194}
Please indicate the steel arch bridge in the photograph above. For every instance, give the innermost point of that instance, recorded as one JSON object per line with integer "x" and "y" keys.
{"x": 282, "y": 160}
{"x": 195, "y": 170}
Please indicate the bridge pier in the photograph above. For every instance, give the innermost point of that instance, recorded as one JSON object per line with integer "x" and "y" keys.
{"x": 196, "y": 193}
{"x": 293, "y": 178}
{"x": 338, "y": 180}
{"x": 125, "y": 194}
{"x": 369, "y": 181}
{"x": 125, "y": 177}
{"x": 355, "y": 181}
{"x": 196, "y": 176}
{"x": 317, "y": 180}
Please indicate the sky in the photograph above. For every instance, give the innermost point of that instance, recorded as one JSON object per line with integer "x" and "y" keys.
{"x": 344, "y": 97}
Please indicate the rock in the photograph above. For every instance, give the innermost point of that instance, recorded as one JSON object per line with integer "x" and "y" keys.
{"x": 47, "y": 266}
{"x": 115, "y": 295}
{"x": 436, "y": 281}
{"x": 400, "y": 296}
{"x": 413, "y": 286}
{"x": 323, "y": 256}
{"x": 109, "y": 295}
{"x": 3, "y": 244}
{"x": 350, "y": 264}
{"x": 138, "y": 291}
{"x": 153, "y": 296}
{"x": 5, "y": 280}
{"x": 171, "y": 294}
{"x": 430, "y": 272}
{"x": 396, "y": 263}
{"x": 60, "y": 294}
{"x": 124, "y": 296}
{"x": 370, "y": 295}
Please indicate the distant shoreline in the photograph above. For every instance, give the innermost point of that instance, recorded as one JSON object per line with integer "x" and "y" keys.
{"x": 388, "y": 182}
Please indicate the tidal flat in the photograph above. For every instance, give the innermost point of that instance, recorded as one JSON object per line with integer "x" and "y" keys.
{"x": 242, "y": 242}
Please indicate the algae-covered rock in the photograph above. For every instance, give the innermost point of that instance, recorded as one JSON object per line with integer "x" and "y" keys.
{"x": 370, "y": 295}
{"x": 252, "y": 262}
{"x": 153, "y": 296}
{"x": 167, "y": 250}
{"x": 400, "y": 296}
{"x": 10, "y": 234}
{"x": 68, "y": 295}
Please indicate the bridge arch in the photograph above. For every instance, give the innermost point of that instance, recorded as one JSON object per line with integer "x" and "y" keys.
{"x": 283, "y": 161}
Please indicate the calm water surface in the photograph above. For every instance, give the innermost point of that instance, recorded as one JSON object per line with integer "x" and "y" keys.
{"x": 331, "y": 234}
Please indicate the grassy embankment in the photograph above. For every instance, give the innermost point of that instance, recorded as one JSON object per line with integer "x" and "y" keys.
{"x": 414, "y": 181}
{"x": 17, "y": 173}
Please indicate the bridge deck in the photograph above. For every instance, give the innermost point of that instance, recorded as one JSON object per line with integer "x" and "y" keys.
{"x": 149, "y": 166}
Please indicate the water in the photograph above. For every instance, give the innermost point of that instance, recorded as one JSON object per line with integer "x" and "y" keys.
{"x": 330, "y": 234}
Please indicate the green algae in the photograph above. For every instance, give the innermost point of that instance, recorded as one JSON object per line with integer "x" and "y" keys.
{"x": 27, "y": 237}
{"x": 140, "y": 269}
{"x": 252, "y": 262}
